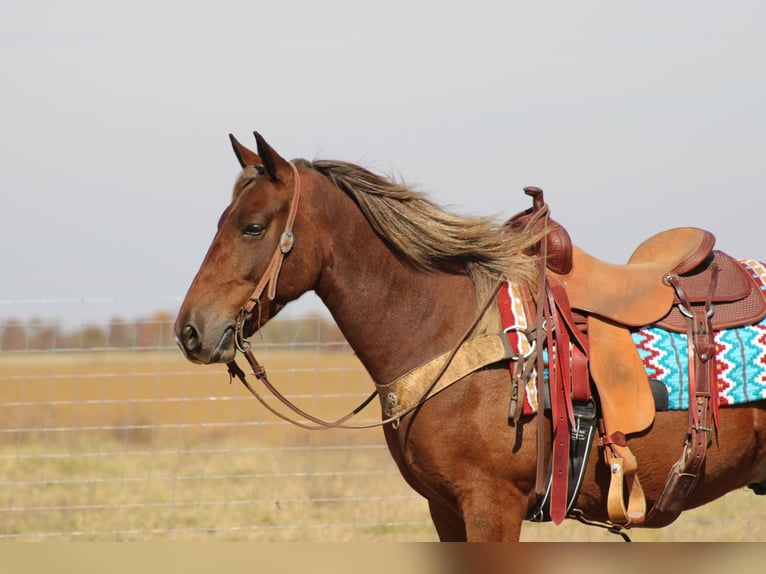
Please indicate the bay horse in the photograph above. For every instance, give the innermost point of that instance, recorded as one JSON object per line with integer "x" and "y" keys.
{"x": 405, "y": 282}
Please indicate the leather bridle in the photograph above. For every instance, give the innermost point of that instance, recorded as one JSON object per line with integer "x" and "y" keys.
{"x": 270, "y": 278}
{"x": 271, "y": 274}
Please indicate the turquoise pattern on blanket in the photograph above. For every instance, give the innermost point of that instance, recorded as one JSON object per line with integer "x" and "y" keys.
{"x": 740, "y": 368}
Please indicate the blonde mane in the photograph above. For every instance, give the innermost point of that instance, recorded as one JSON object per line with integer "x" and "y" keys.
{"x": 431, "y": 238}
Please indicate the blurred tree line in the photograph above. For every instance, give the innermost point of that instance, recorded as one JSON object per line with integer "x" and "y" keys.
{"x": 151, "y": 333}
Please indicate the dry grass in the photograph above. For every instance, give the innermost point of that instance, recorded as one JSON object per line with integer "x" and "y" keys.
{"x": 143, "y": 446}
{"x": 137, "y": 446}
{"x": 208, "y": 494}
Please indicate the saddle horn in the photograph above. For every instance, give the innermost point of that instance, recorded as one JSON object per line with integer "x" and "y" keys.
{"x": 558, "y": 243}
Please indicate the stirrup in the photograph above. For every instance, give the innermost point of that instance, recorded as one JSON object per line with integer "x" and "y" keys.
{"x": 622, "y": 467}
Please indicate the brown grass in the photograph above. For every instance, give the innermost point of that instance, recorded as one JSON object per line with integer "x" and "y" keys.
{"x": 144, "y": 446}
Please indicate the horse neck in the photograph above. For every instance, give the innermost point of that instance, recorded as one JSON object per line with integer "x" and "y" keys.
{"x": 393, "y": 315}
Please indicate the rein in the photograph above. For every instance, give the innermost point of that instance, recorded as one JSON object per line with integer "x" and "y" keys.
{"x": 260, "y": 373}
{"x": 270, "y": 278}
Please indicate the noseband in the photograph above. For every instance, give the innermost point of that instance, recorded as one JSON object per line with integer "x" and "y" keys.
{"x": 271, "y": 274}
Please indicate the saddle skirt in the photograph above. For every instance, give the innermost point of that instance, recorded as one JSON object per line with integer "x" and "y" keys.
{"x": 740, "y": 356}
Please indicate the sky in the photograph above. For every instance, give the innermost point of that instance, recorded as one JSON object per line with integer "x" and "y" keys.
{"x": 115, "y": 162}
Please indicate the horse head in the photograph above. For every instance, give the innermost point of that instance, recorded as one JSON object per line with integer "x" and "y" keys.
{"x": 252, "y": 269}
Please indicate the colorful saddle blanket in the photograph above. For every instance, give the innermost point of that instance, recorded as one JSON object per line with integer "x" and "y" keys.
{"x": 740, "y": 363}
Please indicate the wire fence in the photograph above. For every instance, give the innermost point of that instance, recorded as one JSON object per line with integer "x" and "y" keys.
{"x": 108, "y": 433}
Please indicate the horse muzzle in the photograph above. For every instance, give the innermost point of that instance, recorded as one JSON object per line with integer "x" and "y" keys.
{"x": 191, "y": 341}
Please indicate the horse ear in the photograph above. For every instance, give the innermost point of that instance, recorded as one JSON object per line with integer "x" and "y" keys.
{"x": 273, "y": 163}
{"x": 244, "y": 155}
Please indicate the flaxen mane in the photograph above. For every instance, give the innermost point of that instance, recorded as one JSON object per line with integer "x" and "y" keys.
{"x": 432, "y": 238}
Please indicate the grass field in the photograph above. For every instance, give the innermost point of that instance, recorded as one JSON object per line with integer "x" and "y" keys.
{"x": 144, "y": 446}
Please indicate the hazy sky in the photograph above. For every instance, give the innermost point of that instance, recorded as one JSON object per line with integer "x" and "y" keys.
{"x": 114, "y": 117}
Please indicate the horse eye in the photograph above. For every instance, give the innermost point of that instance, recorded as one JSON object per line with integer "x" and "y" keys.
{"x": 253, "y": 230}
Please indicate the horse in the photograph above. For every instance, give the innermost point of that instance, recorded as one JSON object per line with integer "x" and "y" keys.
{"x": 407, "y": 281}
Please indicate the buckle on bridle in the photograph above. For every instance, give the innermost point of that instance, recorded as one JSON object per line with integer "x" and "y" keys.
{"x": 240, "y": 342}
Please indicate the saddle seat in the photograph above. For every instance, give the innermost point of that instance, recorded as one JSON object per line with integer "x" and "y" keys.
{"x": 636, "y": 294}
{"x": 633, "y": 294}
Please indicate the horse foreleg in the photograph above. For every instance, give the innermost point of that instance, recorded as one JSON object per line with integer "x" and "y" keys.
{"x": 490, "y": 517}
{"x": 449, "y": 525}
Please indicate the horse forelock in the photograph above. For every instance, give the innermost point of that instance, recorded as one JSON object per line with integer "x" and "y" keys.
{"x": 247, "y": 176}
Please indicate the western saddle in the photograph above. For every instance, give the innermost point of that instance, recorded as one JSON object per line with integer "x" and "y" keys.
{"x": 675, "y": 280}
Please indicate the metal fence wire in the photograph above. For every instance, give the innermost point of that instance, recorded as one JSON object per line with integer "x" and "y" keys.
{"x": 107, "y": 433}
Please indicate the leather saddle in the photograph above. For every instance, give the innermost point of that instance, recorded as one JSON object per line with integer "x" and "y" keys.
{"x": 667, "y": 272}
{"x": 638, "y": 294}
{"x": 617, "y": 297}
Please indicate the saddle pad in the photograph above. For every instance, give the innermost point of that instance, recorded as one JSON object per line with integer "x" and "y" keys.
{"x": 512, "y": 308}
{"x": 740, "y": 361}
{"x": 511, "y": 302}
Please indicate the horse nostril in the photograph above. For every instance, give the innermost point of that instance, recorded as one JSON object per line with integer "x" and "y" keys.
{"x": 190, "y": 338}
